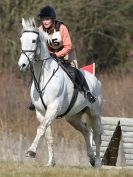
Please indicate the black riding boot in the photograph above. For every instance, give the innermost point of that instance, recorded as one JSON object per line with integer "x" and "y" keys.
{"x": 31, "y": 107}
{"x": 80, "y": 79}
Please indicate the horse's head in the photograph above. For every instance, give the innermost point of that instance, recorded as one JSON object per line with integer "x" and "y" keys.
{"x": 29, "y": 43}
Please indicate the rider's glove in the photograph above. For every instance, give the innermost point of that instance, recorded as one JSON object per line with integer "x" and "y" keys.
{"x": 53, "y": 55}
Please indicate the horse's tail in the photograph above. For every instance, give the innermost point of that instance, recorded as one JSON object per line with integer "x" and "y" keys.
{"x": 99, "y": 92}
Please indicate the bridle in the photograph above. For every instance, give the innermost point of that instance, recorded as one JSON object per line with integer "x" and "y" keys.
{"x": 37, "y": 86}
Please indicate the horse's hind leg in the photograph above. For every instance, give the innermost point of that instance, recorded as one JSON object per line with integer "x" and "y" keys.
{"x": 78, "y": 124}
{"x": 97, "y": 131}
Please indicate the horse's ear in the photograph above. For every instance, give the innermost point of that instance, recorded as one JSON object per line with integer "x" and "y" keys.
{"x": 23, "y": 23}
{"x": 33, "y": 23}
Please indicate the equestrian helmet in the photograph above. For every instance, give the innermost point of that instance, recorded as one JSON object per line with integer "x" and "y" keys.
{"x": 47, "y": 12}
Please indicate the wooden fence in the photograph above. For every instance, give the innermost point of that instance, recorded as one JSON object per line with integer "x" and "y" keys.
{"x": 117, "y": 141}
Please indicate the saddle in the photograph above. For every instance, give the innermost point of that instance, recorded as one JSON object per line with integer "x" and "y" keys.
{"x": 74, "y": 74}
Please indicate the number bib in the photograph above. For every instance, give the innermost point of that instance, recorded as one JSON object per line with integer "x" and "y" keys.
{"x": 54, "y": 40}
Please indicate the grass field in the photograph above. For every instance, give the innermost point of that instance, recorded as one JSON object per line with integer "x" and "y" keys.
{"x": 12, "y": 169}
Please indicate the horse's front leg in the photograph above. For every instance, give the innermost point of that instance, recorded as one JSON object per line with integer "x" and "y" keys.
{"x": 44, "y": 128}
{"x": 50, "y": 143}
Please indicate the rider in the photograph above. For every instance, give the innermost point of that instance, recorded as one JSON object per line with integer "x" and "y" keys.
{"x": 59, "y": 42}
{"x": 57, "y": 35}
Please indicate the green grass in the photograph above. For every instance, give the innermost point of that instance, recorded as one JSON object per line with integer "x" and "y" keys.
{"x": 12, "y": 169}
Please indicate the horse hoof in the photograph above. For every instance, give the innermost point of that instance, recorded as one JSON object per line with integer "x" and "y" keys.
{"x": 52, "y": 164}
{"x": 30, "y": 154}
{"x": 92, "y": 163}
{"x": 98, "y": 165}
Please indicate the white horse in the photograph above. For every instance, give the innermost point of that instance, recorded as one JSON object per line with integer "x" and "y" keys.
{"x": 52, "y": 91}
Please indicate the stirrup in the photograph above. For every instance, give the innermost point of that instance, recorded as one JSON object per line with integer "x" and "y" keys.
{"x": 90, "y": 97}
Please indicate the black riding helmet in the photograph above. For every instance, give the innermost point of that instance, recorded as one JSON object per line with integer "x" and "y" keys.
{"x": 47, "y": 12}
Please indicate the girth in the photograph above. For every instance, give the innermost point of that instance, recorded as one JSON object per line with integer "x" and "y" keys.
{"x": 75, "y": 90}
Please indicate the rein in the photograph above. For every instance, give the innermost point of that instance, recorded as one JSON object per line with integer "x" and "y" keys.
{"x": 37, "y": 86}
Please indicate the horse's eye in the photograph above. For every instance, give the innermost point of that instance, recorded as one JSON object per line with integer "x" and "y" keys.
{"x": 33, "y": 41}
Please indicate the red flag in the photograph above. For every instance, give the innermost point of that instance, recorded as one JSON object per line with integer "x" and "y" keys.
{"x": 89, "y": 68}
